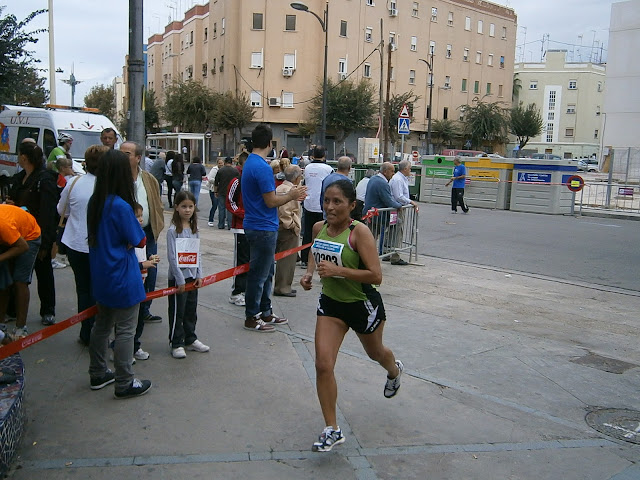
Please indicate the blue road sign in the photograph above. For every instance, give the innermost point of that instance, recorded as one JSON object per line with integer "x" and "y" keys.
{"x": 403, "y": 126}
{"x": 534, "y": 177}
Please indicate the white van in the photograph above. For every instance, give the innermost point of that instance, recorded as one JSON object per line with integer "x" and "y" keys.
{"x": 44, "y": 125}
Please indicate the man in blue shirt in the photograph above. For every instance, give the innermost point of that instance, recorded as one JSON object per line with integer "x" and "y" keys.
{"x": 457, "y": 191}
{"x": 261, "y": 230}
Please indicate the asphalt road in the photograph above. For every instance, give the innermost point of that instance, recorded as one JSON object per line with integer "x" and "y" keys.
{"x": 593, "y": 250}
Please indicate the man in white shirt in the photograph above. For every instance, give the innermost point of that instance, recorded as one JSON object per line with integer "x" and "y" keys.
{"x": 399, "y": 185}
{"x": 314, "y": 173}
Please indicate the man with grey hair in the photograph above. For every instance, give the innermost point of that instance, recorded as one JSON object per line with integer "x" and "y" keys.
{"x": 288, "y": 233}
{"x": 341, "y": 173}
{"x": 147, "y": 193}
{"x": 399, "y": 185}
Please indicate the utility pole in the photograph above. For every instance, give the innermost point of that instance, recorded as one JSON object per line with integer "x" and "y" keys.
{"x": 52, "y": 58}
{"x": 386, "y": 107}
{"x": 380, "y": 97}
{"x": 135, "y": 128}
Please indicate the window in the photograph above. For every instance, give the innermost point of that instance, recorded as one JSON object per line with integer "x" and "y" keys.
{"x": 432, "y": 47}
{"x": 221, "y": 63}
{"x": 206, "y": 33}
{"x": 500, "y": 90}
{"x": 478, "y": 57}
{"x": 492, "y": 30}
{"x": 447, "y": 82}
{"x": 552, "y": 100}
{"x": 414, "y": 44}
{"x": 393, "y": 74}
{"x": 189, "y": 72}
{"x": 367, "y": 70}
{"x": 256, "y": 59}
{"x": 598, "y": 110}
{"x": 256, "y": 98}
{"x": 571, "y": 108}
{"x": 191, "y": 37}
{"x": 428, "y": 112}
{"x": 501, "y": 61}
{"x": 573, "y": 84}
{"x": 479, "y": 26}
{"x": 490, "y": 60}
{"x": 464, "y": 85}
{"x": 434, "y": 14}
{"x": 342, "y": 66}
{"x": 370, "y": 3}
{"x": 412, "y": 77}
{"x": 287, "y": 99}
{"x": 476, "y": 87}
{"x": 393, "y": 8}
{"x": 568, "y": 132}
{"x": 213, "y": 69}
{"x": 222, "y": 23}
{"x": 488, "y": 89}
{"x": 599, "y": 86}
{"x": 533, "y": 85}
{"x": 595, "y": 134}
{"x": 430, "y": 80}
{"x": 258, "y": 21}
{"x": 551, "y": 116}
{"x": 448, "y": 53}
{"x": 549, "y": 132}
{"x": 414, "y": 9}
{"x": 467, "y": 23}
{"x": 290, "y": 23}
{"x": 368, "y": 34}
{"x": 465, "y": 56}
{"x": 343, "y": 28}
{"x": 289, "y": 61}
{"x": 450, "y": 19}
{"x": 445, "y": 113}
{"x": 504, "y": 33}
{"x": 392, "y": 40}
{"x": 205, "y": 70}
{"x": 215, "y": 30}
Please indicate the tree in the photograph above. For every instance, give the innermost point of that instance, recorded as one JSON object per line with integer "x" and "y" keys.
{"x": 350, "y": 107}
{"x": 395, "y": 105}
{"x": 486, "y": 123}
{"x": 190, "y": 106}
{"x": 526, "y": 122}
{"x": 517, "y": 86}
{"x": 445, "y": 131}
{"x": 233, "y": 112}
{"x": 102, "y": 98}
{"x": 19, "y": 79}
{"x": 151, "y": 111}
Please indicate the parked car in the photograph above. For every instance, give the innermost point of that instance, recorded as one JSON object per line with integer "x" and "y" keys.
{"x": 154, "y": 151}
{"x": 489, "y": 155}
{"x": 454, "y": 152}
{"x": 546, "y": 156}
{"x": 588, "y": 165}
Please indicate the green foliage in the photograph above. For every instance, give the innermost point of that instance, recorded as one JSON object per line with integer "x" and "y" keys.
{"x": 526, "y": 122}
{"x": 151, "y": 111}
{"x": 102, "y": 98}
{"x": 445, "y": 131}
{"x": 232, "y": 112}
{"x": 486, "y": 123}
{"x": 189, "y": 105}
{"x": 395, "y": 104}
{"x": 350, "y": 107}
{"x": 517, "y": 86}
{"x": 19, "y": 79}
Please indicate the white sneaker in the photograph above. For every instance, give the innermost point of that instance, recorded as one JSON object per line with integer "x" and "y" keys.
{"x": 20, "y": 332}
{"x": 210, "y": 224}
{"x": 56, "y": 264}
{"x": 198, "y": 346}
{"x": 240, "y": 301}
{"x": 178, "y": 352}
{"x": 141, "y": 355}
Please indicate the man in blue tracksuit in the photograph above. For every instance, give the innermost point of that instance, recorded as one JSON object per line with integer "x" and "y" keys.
{"x": 457, "y": 191}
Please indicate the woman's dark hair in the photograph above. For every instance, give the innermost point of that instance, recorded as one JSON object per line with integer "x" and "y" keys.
{"x": 92, "y": 156}
{"x": 346, "y": 187}
{"x": 177, "y": 167}
{"x": 180, "y": 197}
{"x": 170, "y": 155}
{"x": 112, "y": 178}
{"x": 196, "y": 160}
{"x": 33, "y": 153}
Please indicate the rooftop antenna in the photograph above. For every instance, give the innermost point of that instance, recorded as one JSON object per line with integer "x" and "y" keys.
{"x": 73, "y": 82}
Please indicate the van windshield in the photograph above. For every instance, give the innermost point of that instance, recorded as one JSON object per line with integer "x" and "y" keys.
{"x": 83, "y": 140}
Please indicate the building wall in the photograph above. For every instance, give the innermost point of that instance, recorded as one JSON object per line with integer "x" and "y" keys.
{"x": 232, "y": 39}
{"x": 570, "y": 97}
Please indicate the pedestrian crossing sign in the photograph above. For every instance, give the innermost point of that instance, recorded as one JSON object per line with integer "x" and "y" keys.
{"x": 403, "y": 126}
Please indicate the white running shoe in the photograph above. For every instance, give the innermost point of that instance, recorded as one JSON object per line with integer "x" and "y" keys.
{"x": 141, "y": 355}
{"x": 178, "y": 352}
{"x": 198, "y": 346}
{"x": 393, "y": 384}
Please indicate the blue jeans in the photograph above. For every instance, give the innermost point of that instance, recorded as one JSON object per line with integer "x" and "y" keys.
{"x": 214, "y": 205}
{"x": 194, "y": 187}
{"x": 82, "y": 273}
{"x": 150, "y": 282}
{"x": 262, "y": 248}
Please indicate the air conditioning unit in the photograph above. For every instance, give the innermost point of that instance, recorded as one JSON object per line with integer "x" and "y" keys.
{"x": 274, "y": 101}
{"x": 342, "y": 76}
{"x": 446, "y": 86}
{"x": 287, "y": 71}
{"x": 393, "y": 12}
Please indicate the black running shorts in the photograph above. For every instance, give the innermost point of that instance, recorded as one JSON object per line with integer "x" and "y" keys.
{"x": 363, "y": 316}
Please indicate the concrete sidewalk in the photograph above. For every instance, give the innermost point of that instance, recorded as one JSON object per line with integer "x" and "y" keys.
{"x": 491, "y": 388}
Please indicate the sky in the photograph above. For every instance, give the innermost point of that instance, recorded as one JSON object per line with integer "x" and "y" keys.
{"x": 93, "y": 40}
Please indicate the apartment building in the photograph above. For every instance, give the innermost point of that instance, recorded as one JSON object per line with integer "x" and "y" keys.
{"x": 274, "y": 54}
{"x": 570, "y": 96}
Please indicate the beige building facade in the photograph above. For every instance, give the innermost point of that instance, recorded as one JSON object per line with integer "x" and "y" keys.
{"x": 274, "y": 54}
{"x": 570, "y": 96}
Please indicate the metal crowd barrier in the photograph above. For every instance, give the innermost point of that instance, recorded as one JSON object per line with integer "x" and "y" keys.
{"x": 395, "y": 231}
{"x": 609, "y": 196}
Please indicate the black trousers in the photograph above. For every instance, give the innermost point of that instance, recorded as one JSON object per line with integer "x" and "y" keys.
{"x": 242, "y": 256}
{"x": 46, "y": 285}
{"x": 310, "y": 218}
{"x": 457, "y": 198}
{"x": 183, "y": 316}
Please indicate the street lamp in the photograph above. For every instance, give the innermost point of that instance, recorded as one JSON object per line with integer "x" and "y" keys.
{"x": 430, "y": 113}
{"x": 324, "y": 23}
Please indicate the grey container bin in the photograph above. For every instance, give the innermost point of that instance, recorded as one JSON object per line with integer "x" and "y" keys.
{"x": 539, "y": 186}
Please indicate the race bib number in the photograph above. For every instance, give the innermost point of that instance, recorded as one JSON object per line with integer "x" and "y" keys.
{"x": 326, "y": 250}
{"x": 393, "y": 217}
{"x": 188, "y": 252}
